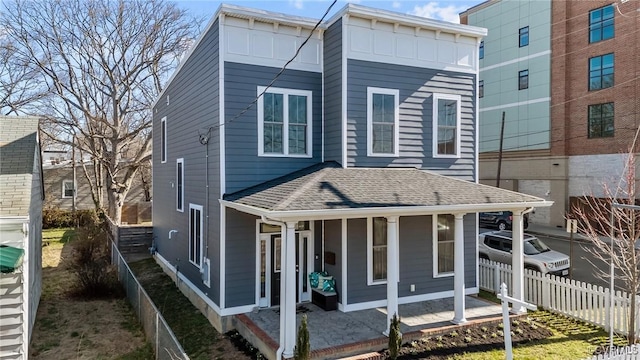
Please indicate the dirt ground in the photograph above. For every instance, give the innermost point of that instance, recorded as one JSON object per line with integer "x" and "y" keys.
{"x": 68, "y": 328}
{"x": 479, "y": 338}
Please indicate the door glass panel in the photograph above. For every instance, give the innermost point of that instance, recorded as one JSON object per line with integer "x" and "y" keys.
{"x": 277, "y": 243}
{"x": 263, "y": 268}
{"x": 305, "y": 271}
{"x": 268, "y": 228}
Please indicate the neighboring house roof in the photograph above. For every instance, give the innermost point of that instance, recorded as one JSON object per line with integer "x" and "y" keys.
{"x": 325, "y": 188}
{"x": 18, "y": 156}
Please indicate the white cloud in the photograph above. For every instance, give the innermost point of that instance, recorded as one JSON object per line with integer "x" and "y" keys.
{"x": 298, "y": 4}
{"x": 433, "y": 10}
{"x": 396, "y": 4}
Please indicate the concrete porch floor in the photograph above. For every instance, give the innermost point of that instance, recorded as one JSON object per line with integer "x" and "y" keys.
{"x": 334, "y": 334}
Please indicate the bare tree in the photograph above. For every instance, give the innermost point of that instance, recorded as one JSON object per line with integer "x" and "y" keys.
{"x": 595, "y": 221}
{"x": 105, "y": 61}
{"x": 19, "y": 83}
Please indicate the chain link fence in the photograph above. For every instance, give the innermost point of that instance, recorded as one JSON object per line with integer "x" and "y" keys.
{"x": 165, "y": 344}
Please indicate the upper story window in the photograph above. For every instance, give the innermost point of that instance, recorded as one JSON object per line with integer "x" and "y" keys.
{"x": 180, "y": 184}
{"x": 446, "y": 125}
{"x": 67, "y": 189}
{"x": 524, "y": 36}
{"x": 383, "y": 119}
{"x": 443, "y": 245}
{"x": 481, "y": 49}
{"x": 523, "y": 79}
{"x": 163, "y": 140}
{"x": 481, "y": 89}
{"x": 284, "y": 122}
{"x": 601, "y": 120}
{"x": 601, "y": 72}
{"x": 601, "y": 26}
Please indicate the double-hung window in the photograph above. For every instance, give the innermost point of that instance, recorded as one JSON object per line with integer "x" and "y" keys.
{"x": 523, "y": 36}
{"x": 601, "y": 72}
{"x": 196, "y": 239}
{"x": 601, "y": 120}
{"x": 443, "y": 243}
{"x": 180, "y": 184}
{"x": 601, "y": 24}
{"x": 163, "y": 140}
{"x": 377, "y": 251}
{"x": 67, "y": 189}
{"x": 284, "y": 122}
{"x": 446, "y": 125}
{"x": 383, "y": 117}
{"x": 523, "y": 79}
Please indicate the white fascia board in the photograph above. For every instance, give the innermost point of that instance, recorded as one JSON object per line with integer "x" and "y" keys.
{"x": 409, "y": 20}
{"x": 326, "y": 214}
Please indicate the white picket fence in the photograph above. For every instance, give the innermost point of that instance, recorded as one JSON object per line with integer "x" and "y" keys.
{"x": 572, "y": 298}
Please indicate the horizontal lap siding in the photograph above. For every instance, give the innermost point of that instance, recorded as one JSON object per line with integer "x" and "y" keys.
{"x": 333, "y": 92}
{"x": 333, "y": 243}
{"x": 240, "y": 259}
{"x": 191, "y": 105}
{"x": 416, "y": 86}
{"x": 416, "y": 259}
{"x": 243, "y": 166}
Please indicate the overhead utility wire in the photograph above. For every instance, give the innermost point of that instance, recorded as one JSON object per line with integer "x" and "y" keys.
{"x": 204, "y": 138}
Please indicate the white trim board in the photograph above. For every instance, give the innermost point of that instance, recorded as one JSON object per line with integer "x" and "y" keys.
{"x": 406, "y": 300}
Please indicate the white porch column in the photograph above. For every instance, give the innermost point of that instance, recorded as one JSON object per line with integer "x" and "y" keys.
{"x": 288, "y": 290}
{"x": 458, "y": 270}
{"x": 517, "y": 261}
{"x": 392, "y": 270}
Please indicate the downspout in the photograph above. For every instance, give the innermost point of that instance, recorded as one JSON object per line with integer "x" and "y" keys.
{"x": 280, "y": 350}
{"x": 204, "y": 140}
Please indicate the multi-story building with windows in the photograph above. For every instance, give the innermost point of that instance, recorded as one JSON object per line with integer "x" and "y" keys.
{"x": 565, "y": 74}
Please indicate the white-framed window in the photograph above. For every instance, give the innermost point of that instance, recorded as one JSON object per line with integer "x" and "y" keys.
{"x": 377, "y": 251}
{"x": 446, "y": 125}
{"x": 196, "y": 239}
{"x": 443, "y": 245}
{"x": 284, "y": 122}
{"x": 163, "y": 140}
{"x": 67, "y": 189}
{"x": 383, "y": 121}
{"x": 180, "y": 184}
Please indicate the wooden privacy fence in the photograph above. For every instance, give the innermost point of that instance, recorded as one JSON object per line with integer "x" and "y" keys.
{"x": 560, "y": 295}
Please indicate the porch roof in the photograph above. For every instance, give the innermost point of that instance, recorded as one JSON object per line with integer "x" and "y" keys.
{"x": 327, "y": 190}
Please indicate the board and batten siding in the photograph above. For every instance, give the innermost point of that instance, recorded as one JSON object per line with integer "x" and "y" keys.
{"x": 416, "y": 87}
{"x": 416, "y": 260}
{"x": 244, "y": 168}
{"x": 191, "y": 107}
{"x": 333, "y": 92}
{"x": 240, "y": 279}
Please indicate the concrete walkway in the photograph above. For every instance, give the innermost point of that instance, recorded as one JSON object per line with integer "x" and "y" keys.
{"x": 335, "y": 329}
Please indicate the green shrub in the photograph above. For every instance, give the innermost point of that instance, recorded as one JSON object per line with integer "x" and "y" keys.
{"x": 91, "y": 263}
{"x": 302, "y": 350}
{"x": 53, "y": 218}
{"x": 395, "y": 337}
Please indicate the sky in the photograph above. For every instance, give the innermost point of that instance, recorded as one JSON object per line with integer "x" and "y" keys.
{"x": 439, "y": 10}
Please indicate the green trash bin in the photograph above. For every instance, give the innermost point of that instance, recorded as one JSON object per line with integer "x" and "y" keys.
{"x": 10, "y": 258}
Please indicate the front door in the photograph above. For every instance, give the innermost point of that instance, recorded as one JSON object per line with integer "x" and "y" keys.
{"x": 271, "y": 265}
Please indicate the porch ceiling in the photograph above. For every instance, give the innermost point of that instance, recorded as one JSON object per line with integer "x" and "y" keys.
{"x": 328, "y": 188}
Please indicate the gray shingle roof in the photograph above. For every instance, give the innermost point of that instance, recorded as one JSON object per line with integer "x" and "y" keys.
{"x": 329, "y": 186}
{"x": 18, "y": 146}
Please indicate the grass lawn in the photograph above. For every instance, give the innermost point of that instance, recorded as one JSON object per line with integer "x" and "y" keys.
{"x": 571, "y": 339}
{"x": 71, "y": 328}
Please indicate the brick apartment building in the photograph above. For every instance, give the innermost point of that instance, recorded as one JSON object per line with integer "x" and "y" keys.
{"x": 566, "y": 74}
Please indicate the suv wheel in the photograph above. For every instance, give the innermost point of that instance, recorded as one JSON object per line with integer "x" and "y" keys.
{"x": 502, "y": 226}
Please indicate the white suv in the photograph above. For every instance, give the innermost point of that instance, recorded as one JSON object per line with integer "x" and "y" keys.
{"x": 497, "y": 245}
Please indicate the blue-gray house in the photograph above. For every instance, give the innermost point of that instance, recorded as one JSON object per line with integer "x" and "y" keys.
{"x": 359, "y": 159}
